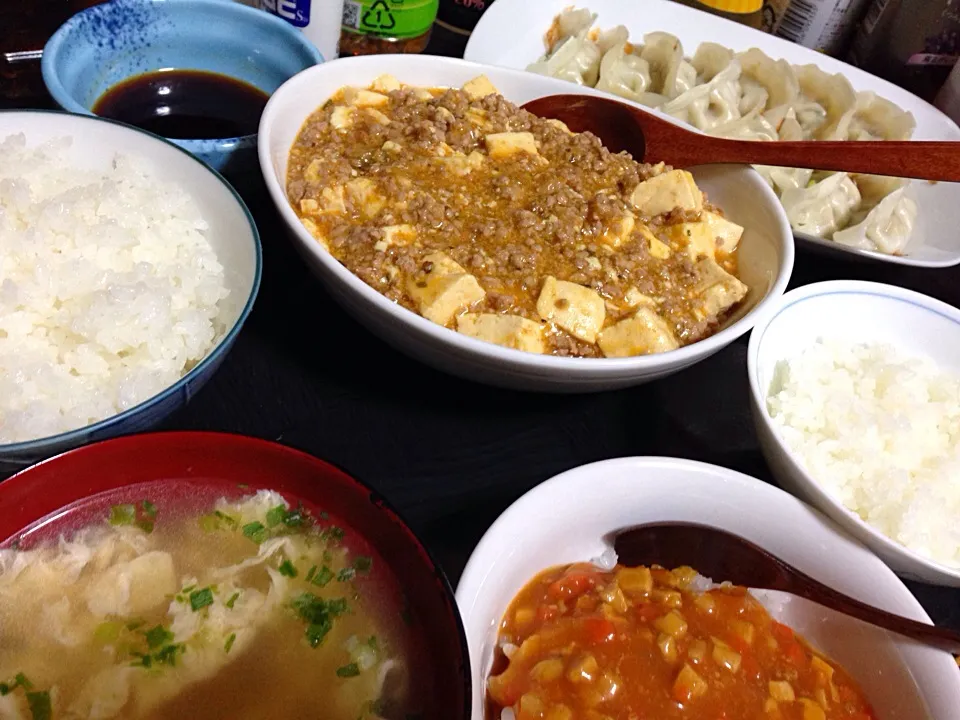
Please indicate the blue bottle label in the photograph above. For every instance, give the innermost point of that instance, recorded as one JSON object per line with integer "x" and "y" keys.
{"x": 295, "y": 12}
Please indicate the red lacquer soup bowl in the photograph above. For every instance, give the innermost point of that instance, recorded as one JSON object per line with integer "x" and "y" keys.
{"x": 191, "y": 470}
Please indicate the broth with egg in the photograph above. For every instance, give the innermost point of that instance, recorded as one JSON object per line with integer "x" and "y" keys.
{"x": 247, "y": 609}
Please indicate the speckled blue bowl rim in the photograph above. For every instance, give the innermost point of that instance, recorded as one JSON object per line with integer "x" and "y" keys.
{"x": 212, "y": 355}
{"x": 69, "y": 103}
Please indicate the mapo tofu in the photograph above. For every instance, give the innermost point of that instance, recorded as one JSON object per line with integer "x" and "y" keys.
{"x": 508, "y": 227}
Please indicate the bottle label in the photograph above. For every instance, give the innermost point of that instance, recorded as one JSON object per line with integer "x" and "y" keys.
{"x": 295, "y": 12}
{"x": 389, "y": 18}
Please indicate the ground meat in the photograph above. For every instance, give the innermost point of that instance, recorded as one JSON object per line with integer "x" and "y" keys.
{"x": 511, "y": 222}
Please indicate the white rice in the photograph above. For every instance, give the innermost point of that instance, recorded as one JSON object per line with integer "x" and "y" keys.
{"x": 881, "y": 432}
{"x": 109, "y": 289}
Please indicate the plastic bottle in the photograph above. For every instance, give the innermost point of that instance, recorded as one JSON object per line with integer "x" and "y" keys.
{"x": 318, "y": 19}
{"x": 372, "y": 27}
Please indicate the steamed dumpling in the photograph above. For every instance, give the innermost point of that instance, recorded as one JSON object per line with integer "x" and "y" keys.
{"x": 886, "y": 228}
{"x": 874, "y": 118}
{"x": 832, "y": 93}
{"x": 710, "y": 59}
{"x": 763, "y": 77}
{"x": 624, "y": 73}
{"x": 669, "y": 74}
{"x": 567, "y": 24}
{"x": 710, "y": 105}
{"x": 577, "y": 60}
{"x": 752, "y": 126}
{"x": 822, "y": 208}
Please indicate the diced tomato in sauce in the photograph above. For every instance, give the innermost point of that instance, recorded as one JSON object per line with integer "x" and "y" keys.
{"x": 637, "y": 643}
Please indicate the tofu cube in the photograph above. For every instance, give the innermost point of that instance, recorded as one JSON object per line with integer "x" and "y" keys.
{"x": 358, "y": 97}
{"x": 510, "y": 331}
{"x": 342, "y": 117}
{"x": 314, "y": 230}
{"x": 460, "y": 164}
{"x": 508, "y": 144}
{"x": 396, "y": 235}
{"x": 362, "y": 192}
{"x": 575, "y": 308}
{"x": 711, "y": 235}
{"x": 643, "y": 334}
{"x": 717, "y": 289}
{"x": 445, "y": 291}
{"x": 391, "y": 146}
{"x": 560, "y": 125}
{"x": 377, "y": 116}
{"x": 619, "y": 231}
{"x": 669, "y": 191}
{"x": 385, "y": 84}
{"x": 479, "y": 87}
{"x": 333, "y": 199}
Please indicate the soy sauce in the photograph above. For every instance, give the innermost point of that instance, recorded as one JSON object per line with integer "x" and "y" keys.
{"x": 185, "y": 104}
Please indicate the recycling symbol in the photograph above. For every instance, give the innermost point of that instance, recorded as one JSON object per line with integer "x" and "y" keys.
{"x": 379, "y": 17}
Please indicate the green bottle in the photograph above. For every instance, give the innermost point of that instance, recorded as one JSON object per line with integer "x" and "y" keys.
{"x": 386, "y": 26}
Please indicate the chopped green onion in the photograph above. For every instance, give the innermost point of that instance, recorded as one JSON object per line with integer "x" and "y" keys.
{"x": 310, "y": 573}
{"x": 348, "y": 671}
{"x": 142, "y": 660}
{"x": 158, "y": 636}
{"x": 295, "y": 518}
{"x": 362, "y": 563}
{"x": 276, "y": 515}
{"x": 323, "y": 577}
{"x": 168, "y": 655}
{"x": 233, "y": 599}
{"x": 255, "y": 531}
{"x": 336, "y": 533}
{"x": 316, "y": 632}
{"x": 287, "y": 569}
{"x": 149, "y": 509}
{"x": 319, "y": 615}
{"x": 372, "y": 642}
{"x": 346, "y": 574}
{"x": 40, "y": 708}
{"x": 21, "y": 681}
{"x": 201, "y": 598}
{"x": 4, "y": 689}
{"x": 125, "y": 514}
{"x": 229, "y": 643}
{"x": 327, "y": 556}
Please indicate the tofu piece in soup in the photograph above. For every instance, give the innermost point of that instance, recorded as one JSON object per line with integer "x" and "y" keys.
{"x": 445, "y": 289}
{"x": 674, "y": 190}
{"x": 577, "y": 309}
{"x": 643, "y": 334}
{"x": 510, "y": 331}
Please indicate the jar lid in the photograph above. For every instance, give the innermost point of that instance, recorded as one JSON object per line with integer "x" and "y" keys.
{"x": 740, "y": 7}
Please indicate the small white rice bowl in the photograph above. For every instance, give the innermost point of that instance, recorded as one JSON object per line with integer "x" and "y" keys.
{"x": 110, "y": 290}
{"x": 880, "y": 430}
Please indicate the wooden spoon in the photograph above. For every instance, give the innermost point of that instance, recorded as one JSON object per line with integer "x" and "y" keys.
{"x": 725, "y": 557}
{"x": 649, "y": 138}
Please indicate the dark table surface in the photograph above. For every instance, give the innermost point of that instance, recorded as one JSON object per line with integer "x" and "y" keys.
{"x": 451, "y": 455}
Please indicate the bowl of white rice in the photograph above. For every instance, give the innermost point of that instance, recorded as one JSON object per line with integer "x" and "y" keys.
{"x": 127, "y": 268}
{"x": 855, "y": 390}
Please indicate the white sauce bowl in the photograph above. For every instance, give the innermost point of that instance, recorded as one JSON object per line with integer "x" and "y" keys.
{"x": 765, "y": 254}
{"x": 567, "y": 518}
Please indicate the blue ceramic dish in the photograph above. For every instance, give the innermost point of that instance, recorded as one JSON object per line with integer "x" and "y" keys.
{"x": 108, "y": 43}
{"x": 233, "y": 236}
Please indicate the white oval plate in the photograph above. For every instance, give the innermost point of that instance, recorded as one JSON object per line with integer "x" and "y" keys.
{"x": 510, "y": 34}
{"x": 567, "y": 519}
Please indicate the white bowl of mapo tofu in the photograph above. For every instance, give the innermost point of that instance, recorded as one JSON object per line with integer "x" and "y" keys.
{"x": 502, "y": 247}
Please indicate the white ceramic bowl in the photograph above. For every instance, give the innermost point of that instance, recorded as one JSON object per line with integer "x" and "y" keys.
{"x": 233, "y": 236}
{"x": 567, "y": 518}
{"x": 857, "y": 312}
{"x": 766, "y": 250}
{"x": 510, "y": 34}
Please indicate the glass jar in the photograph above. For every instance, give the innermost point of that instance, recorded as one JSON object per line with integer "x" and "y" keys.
{"x": 372, "y": 27}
